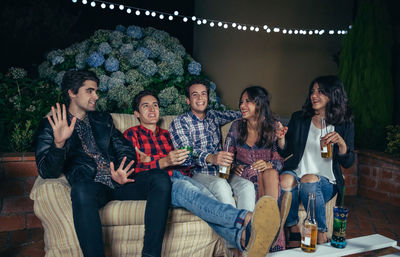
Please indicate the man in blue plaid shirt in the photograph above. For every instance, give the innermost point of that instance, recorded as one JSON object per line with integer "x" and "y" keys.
{"x": 201, "y": 129}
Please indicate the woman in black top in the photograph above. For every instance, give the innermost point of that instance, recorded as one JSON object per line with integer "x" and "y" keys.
{"x": 306, "y": 171}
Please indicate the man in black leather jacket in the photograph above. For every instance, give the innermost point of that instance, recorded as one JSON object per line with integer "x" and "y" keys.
{"x": 85, "y": 146}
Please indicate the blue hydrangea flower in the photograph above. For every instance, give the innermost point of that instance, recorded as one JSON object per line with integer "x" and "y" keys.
{"x": 103, "y": 85}
{"x": 59, "y": 77}
{"x": 112, "y": 64}
{"x": 144, "y": 50}
{"x": 134, "y": 31}
{"x": 126, "y": 49}
{"x": 113, "y": 82}
{"x": 168, "y": 95}
{"x": 95, "y": 59}
{"x": 136, "y": 58}
{"x": 80, "y": 61}
{"x": 148, "y": 68}
{"x": 104, "y": 48}
{"x": 120, "y": 28}
{"x": 213, "y": 86}
{"x": 57, "y": 60}
{"x": 194, "y": 68}
{"x": 118, "y": 75}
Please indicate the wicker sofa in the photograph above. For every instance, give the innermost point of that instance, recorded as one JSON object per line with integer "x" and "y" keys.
{"x": 123, "y": 221}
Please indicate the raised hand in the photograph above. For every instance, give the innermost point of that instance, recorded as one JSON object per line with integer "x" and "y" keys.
{"x": 59, "y": 123}
{"x": 280, "y": 130}
{"x": 142, "y": 156}
{"x": 335, "y": 138}
{"x": 222, "y": 158}
{"x": 280, "y": 133}
{"x": 121, "y": 174}
{"x": 261, "y": 165}
{"x": 175, "y": 157}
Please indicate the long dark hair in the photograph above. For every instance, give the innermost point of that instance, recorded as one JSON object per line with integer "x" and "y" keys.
{"x": 337, "y": 110}
{"x": 266, "y": 119}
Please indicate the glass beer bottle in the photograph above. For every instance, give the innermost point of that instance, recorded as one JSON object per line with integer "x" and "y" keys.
{"x": 224, "y": 171}
{"x": 326, "y": 149}
{"x": 309, "y": 228}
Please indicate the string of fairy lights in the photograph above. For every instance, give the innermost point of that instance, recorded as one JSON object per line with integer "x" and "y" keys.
{"x": 131, "y": 10}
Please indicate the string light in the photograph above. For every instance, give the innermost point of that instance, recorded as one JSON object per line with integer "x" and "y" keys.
{"x": 216, "y": 23}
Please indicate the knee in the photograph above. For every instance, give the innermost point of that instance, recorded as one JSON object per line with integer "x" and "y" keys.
{"x": 82, "y": 194}
{"x": 161, "y": 181}
{"x": 220, "y": 187}
{"x": 287, "y": 182}
{"x": 309, "y": 178}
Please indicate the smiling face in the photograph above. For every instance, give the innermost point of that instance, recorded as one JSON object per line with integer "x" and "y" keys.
{"x": 198, "y": 99}
{"x": 85, "y": 100}
{"x": 149, "y": 112}
{"x": 247, "y": 107}
{"x": 318, "y": 99}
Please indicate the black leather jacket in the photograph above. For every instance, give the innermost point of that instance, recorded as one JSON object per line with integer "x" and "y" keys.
{"x": 72, "y": 160}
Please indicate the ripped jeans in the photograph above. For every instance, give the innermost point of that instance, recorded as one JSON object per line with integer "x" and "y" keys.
{"x": 324, "y": 191}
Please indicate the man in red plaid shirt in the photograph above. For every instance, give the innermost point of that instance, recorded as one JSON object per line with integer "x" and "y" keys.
{"x": 155, "y": 150}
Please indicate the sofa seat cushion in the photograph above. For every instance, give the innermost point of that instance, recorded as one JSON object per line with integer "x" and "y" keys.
{"x": 121, "y": 213}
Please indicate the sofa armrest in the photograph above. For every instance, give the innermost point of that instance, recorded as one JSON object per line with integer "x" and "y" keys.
{"x": 52, "y": 205}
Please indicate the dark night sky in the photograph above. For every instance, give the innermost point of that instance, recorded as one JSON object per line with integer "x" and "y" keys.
{"x": 31, "y": 28}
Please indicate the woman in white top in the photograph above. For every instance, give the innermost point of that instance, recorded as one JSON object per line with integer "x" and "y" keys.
{"x": 307, "y": 171}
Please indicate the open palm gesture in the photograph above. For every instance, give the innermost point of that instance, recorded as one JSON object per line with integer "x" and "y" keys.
{"x": 121, "y": 174}
{"x": 58, "y": 121}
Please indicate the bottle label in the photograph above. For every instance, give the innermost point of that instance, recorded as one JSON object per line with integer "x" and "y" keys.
{"x": 306, "y": 240}
{"x": 222, "y": 169}
{"x": 324, "y": 149}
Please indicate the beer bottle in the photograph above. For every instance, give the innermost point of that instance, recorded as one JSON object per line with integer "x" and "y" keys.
{"x": 309, "y": 227}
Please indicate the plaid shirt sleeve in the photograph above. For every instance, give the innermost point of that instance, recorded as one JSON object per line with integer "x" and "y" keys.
{"x": 227, "y": 116}
{"x": 142, "y": 143}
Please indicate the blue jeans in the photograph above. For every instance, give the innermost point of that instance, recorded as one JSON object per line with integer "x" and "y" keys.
{"x": 88, "y": 197}
{"x": 225, "y": 219}
{"x": 324, "y": 191}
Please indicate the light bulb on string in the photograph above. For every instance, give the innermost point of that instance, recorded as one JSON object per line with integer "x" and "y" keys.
{"x": 204, "y": 21}
{"x": 84, "y": 1}
{"x": 290, "y": 32}
{"x": 153, "y": 14}
{"x": 176, "y": 13}
{"x": 128, "y": 10}
{"x": 74, "y": 1}
{"x": 310, "y": 32}
{"x": 147, "y": 13}
{"x": 265, "y": 27}
{"x": 251, "y": 28}
{"x": 233, "y": 25}
{"x": 331, "y": 32}
{"x": 198, "y": 22}
{"x": 219, "y": 24}
{"x": 111, "y": 6}
{"x": 170, "y": 17}
{"x": 93, "y": 4}
{"x": 211, "y": 24}
{"x": 276, "y": 29}
{"x": 193, "y": 18}
{"x": 239, "y": 27}
{"x": 137, "y": 12}
{"x": 284, "y": 31}
{"x": 268, "y": 30}
{"x": 103, "y": 5}
{"x": 121, "y": 7}
{"x": 244, "y": 28}
{"x": 161, "y": 16}
{"x": 256, "y": 29}
{"x": 225, "y": 26}
{"x": 185, "y": 19}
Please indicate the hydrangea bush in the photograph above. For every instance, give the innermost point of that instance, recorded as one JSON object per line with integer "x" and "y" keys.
{"x": 128, "y": 60}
